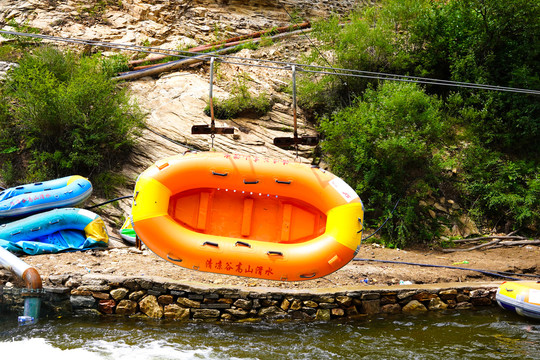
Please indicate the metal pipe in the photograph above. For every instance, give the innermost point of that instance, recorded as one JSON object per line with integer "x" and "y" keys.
{"x": 274, "y": 31}
{"x": 32, "y": 280}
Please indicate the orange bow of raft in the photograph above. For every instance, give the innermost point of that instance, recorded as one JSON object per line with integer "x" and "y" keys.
{"x": 247, "y": 216}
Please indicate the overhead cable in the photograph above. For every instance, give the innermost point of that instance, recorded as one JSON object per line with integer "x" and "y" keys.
{"x": 281, "y": 65}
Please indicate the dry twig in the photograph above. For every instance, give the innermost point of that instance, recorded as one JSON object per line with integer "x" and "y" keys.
{"x": 497, "y": 243}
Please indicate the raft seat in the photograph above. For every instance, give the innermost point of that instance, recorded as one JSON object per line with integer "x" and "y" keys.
{"x": 286, "y": 223}
{"x": 204, "y": 199}
{"x": 247, "y": 216}
{"x": 300, "y": 223}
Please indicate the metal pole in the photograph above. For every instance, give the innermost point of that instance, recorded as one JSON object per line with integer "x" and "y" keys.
{"x": 212, "y": 123}
{"x": 294, "y": 109}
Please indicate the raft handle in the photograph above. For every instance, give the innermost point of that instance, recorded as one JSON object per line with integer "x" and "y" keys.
{"x": 284, "y": 182}
{"x": 251, "y": 182}
{"x": 308, "y": 276}
{"x": 35, "y": 229}
{"x": 210, "y": 243}
{"x": 278, "y": 253}
{"x": 219, "y": 174}
{"x": 242, "y": 243}
{"x": 172, "y": 259}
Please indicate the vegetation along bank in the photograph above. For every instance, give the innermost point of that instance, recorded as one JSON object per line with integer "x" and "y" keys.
{"x": 451, "y": 155}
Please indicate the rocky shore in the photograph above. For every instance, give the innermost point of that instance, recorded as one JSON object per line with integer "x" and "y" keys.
{"x": 124, "y": 283}
{"x": 159, "y": 298}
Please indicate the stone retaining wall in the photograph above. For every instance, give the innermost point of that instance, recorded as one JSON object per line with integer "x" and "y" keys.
{"x": 161, "y": 298}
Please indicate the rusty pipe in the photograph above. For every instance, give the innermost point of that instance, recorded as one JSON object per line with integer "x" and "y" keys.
{"x": 29, "y": 274}
{"x": 32, "y": 280}
{"x": 257, "y": 34}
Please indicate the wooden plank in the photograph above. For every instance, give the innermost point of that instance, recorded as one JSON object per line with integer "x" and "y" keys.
{"x": 203, "y": 210}
{"x": 286, "y": 223}
{"x": 247, "y": 217}
{"x": 206, "y": 129}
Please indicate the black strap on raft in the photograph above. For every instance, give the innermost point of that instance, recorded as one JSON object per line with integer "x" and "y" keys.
{"x": 212, "y": 129}
{"x": 108, "y": 201}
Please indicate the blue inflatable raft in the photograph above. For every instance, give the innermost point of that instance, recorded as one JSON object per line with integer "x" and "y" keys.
{"x": 32, "y": 198}
{"x": 54, "y": 231}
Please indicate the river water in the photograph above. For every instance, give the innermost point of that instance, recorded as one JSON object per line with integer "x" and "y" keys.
{"x": 486, "y": 334}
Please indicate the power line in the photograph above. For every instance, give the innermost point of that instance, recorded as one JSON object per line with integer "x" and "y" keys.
{"x": 281, "y": 65}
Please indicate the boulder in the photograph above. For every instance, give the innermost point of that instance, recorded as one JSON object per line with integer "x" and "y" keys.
{"x": 106, "y": 306}
{"x": 437, "y": 304}
{"x": 391, "y": 309}
{"x": 414, "y": 306}
{"x": 119, "y": 294}
{"x": 187, "y": 303}
{"x": 150, "y": 307}
{"x": 271, "y": 312}
{"x": 126, "y": 307}
{"x": 175, "y": 312}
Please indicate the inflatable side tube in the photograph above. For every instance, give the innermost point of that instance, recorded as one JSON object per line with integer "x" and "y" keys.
{"x": 41, "y": 196}
{"x": 41, "y": 225}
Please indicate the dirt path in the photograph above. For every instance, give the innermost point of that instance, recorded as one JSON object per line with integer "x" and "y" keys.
{"x": 124, "y": 260}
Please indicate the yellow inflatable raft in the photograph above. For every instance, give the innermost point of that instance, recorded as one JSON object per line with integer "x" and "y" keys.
{"x": 523, "y": 297}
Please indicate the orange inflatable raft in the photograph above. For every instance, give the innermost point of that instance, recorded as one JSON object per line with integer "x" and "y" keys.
{"x": 247, "y": 216}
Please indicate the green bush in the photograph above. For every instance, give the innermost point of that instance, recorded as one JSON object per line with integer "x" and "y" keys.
{"x": 500, "y": 192}
{"x": 492, "y": 42}
{"x": 366, "y": 40}
{"x": 240, "y": 101}
{"x": 65, "y": 116}
{"x": 386, "y": 146}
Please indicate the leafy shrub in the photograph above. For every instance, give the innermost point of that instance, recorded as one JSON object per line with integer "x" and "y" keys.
{"x": 15, "y": 49}
{"x": 489, "y": 42}
{"x": 501, "y": 193}
{"x": 115, "y": 64}
{"x": 240, "y": 101}
{"x": 367, "y": 40}
{"x": 385, "y": 146}
{"x": 65, "y": 116}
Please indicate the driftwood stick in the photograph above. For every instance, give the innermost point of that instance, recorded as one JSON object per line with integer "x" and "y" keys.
{"x": 522, "y": 242}
{"x": 474, "y": 247}
{"x": 496, "y": 244}
{"x": 480, "y": 238}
